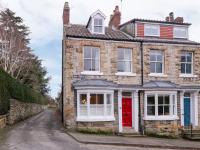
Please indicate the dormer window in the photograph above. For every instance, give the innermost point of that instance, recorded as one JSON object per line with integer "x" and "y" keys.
{"x": 151, "y": 30}
{"x": 96, "y": 23}
{"x": 181, "y": 32}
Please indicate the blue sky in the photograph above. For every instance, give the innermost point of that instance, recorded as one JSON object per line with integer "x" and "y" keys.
{"x": 44, "y": 17}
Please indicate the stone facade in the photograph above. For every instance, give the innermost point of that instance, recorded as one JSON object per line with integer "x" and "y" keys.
{"x": 20, "y": 111}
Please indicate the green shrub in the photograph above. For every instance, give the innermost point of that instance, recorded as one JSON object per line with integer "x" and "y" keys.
{"x": 11, "y": 88}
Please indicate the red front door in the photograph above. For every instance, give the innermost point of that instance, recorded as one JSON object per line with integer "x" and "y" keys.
{"x": 127, "y": 112}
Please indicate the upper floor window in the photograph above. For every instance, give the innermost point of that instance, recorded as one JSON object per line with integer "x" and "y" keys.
{"x": 98, "y": 25}
{"x": 151, "y": 30}
{"x": 124, "y": 62}
{"x": 180, "y": 32}
{"x": 91, "y": 58}
{"x": 186, "y": 62}
{"x": 156, "y": 61}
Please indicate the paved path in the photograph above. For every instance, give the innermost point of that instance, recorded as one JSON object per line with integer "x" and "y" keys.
{"x": 45, "y": 132}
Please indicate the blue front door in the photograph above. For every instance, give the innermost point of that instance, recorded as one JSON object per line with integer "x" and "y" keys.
{"x": 186, "y": 111}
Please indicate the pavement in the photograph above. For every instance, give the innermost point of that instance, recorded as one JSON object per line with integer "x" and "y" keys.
{"x": 45, "y": 132}
{"x": 145, "y": 142}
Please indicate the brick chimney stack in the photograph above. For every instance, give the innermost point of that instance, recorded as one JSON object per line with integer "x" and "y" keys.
{"x": 66, "y": 14}
{"x": 170, "y": 18}
{"x": 115, "y": 18}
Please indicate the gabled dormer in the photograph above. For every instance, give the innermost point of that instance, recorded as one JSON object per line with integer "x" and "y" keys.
{"x": 96, "y": 23}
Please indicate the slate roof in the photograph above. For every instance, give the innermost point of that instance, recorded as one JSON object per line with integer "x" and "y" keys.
{"x": 153, "y": 21}
{"x": 159, "y": 84}
{"x": 94, "y": 83}
{"x": 80, "y": 31}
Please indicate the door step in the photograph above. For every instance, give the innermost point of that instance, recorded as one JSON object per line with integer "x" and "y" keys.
{"x": 192, "y": 135}
{"x": 136, "y": 134}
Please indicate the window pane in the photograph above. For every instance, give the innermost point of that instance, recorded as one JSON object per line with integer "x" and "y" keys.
{"x": 120, "y": 54}
{"x": 188, "y": 68}
{"x": 160, "y": 100}
{"x": 151, "y": 100}
{"x": 87, "y": 52}
{"x": 167, "y": 100}
{"x": 158, "y": 67}
{"x": 183, "y": 67}
{"x": 160, "y": 110}
{"x": 120, "y": 66}
{"x": 95, "y": 65}
{"x": 87, "y": 65}
{"x": 127, "y": 66}
{"x": 152, "y": 57}
{"x": 183, "y": 59}
{"x": 93, "y": 99}
{"x": 98, "y": 29}
{"x": 159, "y": 58}
{"x": 189, "y": 58}
{"x": 166, "y": 110}
{"x": 152, "y": 67}
{"x": 100, "y": 98}
{"x": 108, "y": 99}
{"x": 83, "y": 105}
{"x": 126, "y": 94}
{"x": 151, "y": 110}
{"x": 95, "y": 53}
{"x": 127, "y": 54}
{"x": 83, "y": 99}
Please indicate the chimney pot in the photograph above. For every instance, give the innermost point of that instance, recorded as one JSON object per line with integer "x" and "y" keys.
{"x": 171, "y": 17}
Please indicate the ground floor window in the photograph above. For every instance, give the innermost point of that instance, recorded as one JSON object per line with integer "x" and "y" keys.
{"x": 95, "y": 105}
{"x": 160, "y": 105}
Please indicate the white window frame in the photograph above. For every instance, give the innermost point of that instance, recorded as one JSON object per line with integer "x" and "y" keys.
{"x": 178, "y": 28}
{"x": 151, "y": 26}
{"x": 89, "y": 117}
{"x": 98, "y": 25}
{"x": 192, "y": 65}
{"x": 163, "y": 65}
{"x": 88, "y": 72}
{"x": 130, "y": 73}
{"x": 161, "y": 117}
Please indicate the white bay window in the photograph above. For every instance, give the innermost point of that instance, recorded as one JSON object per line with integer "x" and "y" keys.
{"x": 160, "y": 106}
{"x": 95, "y": 105}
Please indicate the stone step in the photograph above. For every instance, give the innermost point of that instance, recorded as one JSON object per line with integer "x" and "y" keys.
{"x": 193, "y": 131}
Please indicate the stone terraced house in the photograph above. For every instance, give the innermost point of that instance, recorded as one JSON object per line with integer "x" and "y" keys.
{"x": 138, "y": 77}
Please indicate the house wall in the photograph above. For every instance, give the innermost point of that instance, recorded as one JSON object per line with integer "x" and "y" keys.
{"x": 172, "y": 69}
{"x": 73, "y": 66}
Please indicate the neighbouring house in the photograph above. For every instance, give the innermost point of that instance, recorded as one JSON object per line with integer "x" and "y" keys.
{"x": 140, "y": 76}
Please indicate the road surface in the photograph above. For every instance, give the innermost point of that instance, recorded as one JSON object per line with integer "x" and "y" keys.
{"x": 45, "y": 132}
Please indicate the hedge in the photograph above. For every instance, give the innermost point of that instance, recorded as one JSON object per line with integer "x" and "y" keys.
{"x": 11, "y": 88}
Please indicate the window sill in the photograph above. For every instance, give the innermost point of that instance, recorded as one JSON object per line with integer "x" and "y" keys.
{"x": 95, "y": 119}
{"x": 157, "y": 75}
{"x": 125, "y": 74}
{"x": 161, "y": 118}
{"x": 187, "y": 76}
{"x": 91, "y": 73}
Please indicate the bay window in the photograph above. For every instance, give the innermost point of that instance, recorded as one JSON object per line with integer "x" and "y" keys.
{"x": 95, "y": 106}
{"x": 160, "y": 106}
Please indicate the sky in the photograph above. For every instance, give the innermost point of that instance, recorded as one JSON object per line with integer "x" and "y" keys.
{"x": 44, "y": 17}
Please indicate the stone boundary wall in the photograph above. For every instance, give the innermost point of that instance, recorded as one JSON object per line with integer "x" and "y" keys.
{"x": 2, "y": 121}
{"x": 20, "y": 111}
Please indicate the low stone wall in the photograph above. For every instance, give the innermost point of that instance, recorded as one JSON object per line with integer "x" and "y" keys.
{"x": 162, "y": 128}
{"x": 2, "y": 121}
{"x": 20, "y": 111}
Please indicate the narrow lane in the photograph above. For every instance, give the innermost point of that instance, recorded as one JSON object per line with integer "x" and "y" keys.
{"x": 44, "y": 132}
